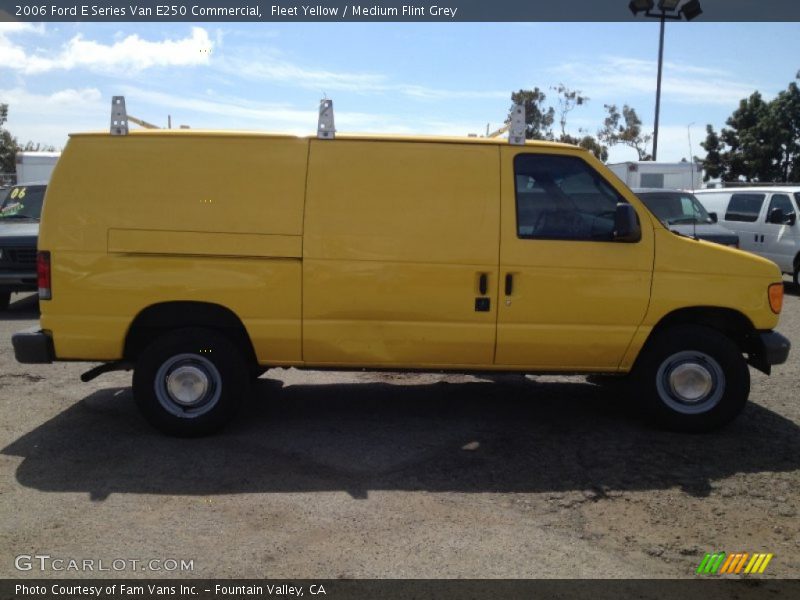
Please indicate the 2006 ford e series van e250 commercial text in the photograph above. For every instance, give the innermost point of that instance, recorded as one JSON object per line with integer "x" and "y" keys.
{"x": 202, "y": 258}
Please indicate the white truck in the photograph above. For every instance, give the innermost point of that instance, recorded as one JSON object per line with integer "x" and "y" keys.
{"x": 649, "y": 174}
{"x": 35, "y": 167}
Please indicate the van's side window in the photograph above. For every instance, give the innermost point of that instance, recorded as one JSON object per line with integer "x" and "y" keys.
{"x": 781, "y": 201}
{"x": 562, "y": 198}
{"x": 744, "y": 207}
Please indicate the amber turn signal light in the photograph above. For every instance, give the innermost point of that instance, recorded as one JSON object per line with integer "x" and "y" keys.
{"x": 775, "y": 293}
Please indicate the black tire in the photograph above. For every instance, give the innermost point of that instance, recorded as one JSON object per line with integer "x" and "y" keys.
{"x": 5, "y": 300}
{"x": 796, "y": 275}
{"x": 705, "y": 364}
{"x": 190, "y": 361}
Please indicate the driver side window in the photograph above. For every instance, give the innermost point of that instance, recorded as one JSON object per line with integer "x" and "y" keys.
{"x": 562, "y": 198}
{"x": 783, "y": 202}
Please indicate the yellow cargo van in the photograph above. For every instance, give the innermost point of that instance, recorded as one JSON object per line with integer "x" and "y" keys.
{"x": 201, "y": 258}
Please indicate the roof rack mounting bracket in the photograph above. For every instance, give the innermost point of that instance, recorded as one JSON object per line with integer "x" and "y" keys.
{"x": 325, "y": 127}
{"x": 516, "y": 129}
{"x": 119, "y": 116}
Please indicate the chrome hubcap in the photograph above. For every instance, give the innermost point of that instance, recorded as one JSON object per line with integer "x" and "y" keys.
{"x": 187, "y": 385}
{"x": 690, "y": 382}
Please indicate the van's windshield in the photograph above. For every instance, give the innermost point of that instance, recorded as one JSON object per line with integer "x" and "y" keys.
{"x": 675, "y": 208}
{"x": 22, "y": 202}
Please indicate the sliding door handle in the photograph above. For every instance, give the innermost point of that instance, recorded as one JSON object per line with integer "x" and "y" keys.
{"x": 509, "y": 284}
{"x": 483, "y": 284}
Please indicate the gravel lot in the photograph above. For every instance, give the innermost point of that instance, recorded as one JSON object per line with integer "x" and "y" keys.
{"x": 394, "y": 475}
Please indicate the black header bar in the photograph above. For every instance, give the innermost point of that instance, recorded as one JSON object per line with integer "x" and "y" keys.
{"x": 445, "y": 11}
{"x": 701, "y": 588}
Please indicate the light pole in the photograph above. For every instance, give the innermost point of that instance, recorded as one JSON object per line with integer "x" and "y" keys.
{"x": 668, "y": 10}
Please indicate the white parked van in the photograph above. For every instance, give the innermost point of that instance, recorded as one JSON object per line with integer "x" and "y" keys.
{"x": 765, "y": 219}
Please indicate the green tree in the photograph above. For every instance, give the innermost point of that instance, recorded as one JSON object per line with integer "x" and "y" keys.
{"x": 761, "y": 140}
{"x": 538, "y": 118}
{"x": 624, "y": 128}
{"x": 784, "y": 122}
{"x": 587, "y": 142}
{"x": 9, "y": 146}
{"x": 568, "y": 99}
{"x": 595, "y": 147}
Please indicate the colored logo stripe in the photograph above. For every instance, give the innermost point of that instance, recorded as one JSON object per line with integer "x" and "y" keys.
{"x": 723, "y": 563}
{"x": 758, "y": 563}
{"x": 711, "y": 562}
{"x": 734, "y": 563}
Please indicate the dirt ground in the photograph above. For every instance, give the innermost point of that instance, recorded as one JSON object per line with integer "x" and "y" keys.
{"x": 371, "y": 475}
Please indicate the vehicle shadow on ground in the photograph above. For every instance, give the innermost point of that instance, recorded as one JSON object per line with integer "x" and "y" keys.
{"x": 791, "y": 289}
{"x": 520, "y": 435}
{"x": 22, "y": 308}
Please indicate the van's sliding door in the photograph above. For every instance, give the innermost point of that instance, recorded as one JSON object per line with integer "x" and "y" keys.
{"x": 400, "y": 255}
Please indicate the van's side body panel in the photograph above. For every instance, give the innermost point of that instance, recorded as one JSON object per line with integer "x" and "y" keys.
{"x": 151, "y": 218}
{"x": 575, "y": 305}
{"x": 695, "y": 273}
{"x": 397, "y": 235}
{"x": 361, "y": 252}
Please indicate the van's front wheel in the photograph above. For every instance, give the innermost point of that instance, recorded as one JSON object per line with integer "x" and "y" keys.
{"x": 692, "y": 378}
{"x": 190, "y": 382}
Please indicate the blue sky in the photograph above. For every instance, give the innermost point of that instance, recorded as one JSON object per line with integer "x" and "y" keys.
{"x": 432, "y": 78}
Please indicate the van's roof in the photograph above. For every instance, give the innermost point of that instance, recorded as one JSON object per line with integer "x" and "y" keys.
{"x": 339, "y": 136}
{"x": 37, "y": 154}
{"x": 651, "y": 163}
{"x": 760, "y": 188}
{"x": 638, "y": 190}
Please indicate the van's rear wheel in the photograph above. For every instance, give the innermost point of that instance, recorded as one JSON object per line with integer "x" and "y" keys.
{"x": 190, "y": 382}
{"x": 692, "y": 378}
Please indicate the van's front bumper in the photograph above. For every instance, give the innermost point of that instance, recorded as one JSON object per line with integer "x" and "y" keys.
{"x": 33, "y": 346}
{"x": 768, "y": 348}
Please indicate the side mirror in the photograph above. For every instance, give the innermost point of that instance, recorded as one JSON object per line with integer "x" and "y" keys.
{"x": 626, "y": 224}
{"x": 791, "y": 219}
{"x": 713, "y": 216}
{"x": 776, "y": 216}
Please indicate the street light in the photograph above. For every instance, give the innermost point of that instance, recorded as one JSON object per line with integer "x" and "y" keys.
{"x": 668, "y": 10}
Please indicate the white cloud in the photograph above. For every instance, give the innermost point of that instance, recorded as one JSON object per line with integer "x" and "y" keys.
{"x": 128, "y": 54}
{"x": 77, "y": 100}
{"x": 279, "y": 70}
{"x": 50, "y": 118}
{"x": 18, "y": 27}
{"x": 614, "y": 76}
{"x": 131, "y": 54}
{"x": 221, "y": 112}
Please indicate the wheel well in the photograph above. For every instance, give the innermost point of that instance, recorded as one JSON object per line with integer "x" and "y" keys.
{"x": 725, "y": 320}
{"x": 159, "y": 319}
